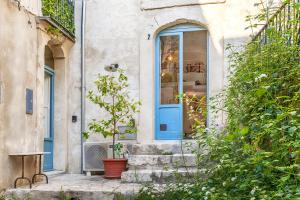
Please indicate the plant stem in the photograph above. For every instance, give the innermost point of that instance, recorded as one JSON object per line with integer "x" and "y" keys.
{"x": 114, "y": 129}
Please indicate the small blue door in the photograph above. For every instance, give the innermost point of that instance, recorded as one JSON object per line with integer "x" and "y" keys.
{"x": 177, "y": 46}
{"x": 48, "y": 118}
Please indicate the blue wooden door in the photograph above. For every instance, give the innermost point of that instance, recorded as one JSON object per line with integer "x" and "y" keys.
{"x": 48, "y": 118}
{"x": 185, "y": 43}
{"x": 169, "y": 70}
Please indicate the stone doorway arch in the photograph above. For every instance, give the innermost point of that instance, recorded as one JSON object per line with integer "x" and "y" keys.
{"x": 55, "y": 62}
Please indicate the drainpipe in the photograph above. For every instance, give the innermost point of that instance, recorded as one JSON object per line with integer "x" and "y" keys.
{"x": 82, "y": 79}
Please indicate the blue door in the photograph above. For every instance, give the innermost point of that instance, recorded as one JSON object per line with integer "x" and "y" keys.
{"x": 180, "y": 68}
{"x": 48, "y": 118}
{"x": 169, "y": 86}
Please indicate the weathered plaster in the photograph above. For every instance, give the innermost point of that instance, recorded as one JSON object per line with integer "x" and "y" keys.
{"x": 19, "y": 132}
{"x": 74, "y": 99}
{"x": 22, "y": 66}
{"x": 32, "y": 6}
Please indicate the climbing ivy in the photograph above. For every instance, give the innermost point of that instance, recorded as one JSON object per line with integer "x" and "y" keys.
{"x": 62, "y": 11}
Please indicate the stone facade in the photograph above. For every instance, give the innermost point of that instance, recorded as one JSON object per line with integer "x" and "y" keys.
{"x": 116, "y": 31}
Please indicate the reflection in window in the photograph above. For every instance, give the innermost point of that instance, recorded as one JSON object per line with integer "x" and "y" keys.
{"x": 169, "y": 69}
{"x": 194, "y": 73}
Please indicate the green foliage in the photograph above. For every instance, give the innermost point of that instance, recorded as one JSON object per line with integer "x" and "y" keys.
{"x": 197, "y": 111}
{"x": 261, "y": 148}
{"x": 61, "y": 11}
{"x": 112, "y": 96}
{"x": 3, "y": 197}
{"x": 177, "y": 191}
{"x": 119, "y": 149}
{"x": 53, "y": 31}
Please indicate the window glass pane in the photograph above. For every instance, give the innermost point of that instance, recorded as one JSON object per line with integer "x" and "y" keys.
{"x": 194, "y": 75}
{"x": 47, "y": 96}
{"x": 169, "y": 69}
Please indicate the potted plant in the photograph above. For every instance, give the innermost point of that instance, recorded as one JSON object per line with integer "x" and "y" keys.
{"x": 112, "y": 97}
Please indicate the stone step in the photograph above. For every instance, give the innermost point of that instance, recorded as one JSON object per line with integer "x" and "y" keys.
{"x": 177, "y": 147}
{"x": 162, "y": 161}
{"x": 54, "y": 173}
{"x": 161, "y": 176}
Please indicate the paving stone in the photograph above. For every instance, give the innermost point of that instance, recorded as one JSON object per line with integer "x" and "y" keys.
{"x": 77, "y": 186}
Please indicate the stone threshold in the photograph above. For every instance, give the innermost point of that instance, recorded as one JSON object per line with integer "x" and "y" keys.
{"x": 54, "y": 173}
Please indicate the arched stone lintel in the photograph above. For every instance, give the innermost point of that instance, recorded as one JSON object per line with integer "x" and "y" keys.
{"x": 178, "y": 22}
{"x": 159, "y": 24}
{"x": 57, "y": 51}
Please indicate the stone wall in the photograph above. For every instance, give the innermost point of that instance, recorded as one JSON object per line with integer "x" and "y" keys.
{"x": 23, "y": 41}
{"x": 18, "y": 68}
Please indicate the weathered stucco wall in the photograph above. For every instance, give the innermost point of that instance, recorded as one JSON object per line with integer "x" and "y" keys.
{"x": 125, "y": 32}
{"x": 112, "y": 36}
{"x": 23, "y": 40}
{"x": 18, "y": 67}
{"x": 74, "y": 98}
{"x": 35, "y": 7}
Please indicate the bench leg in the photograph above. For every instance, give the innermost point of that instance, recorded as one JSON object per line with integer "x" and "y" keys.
{"x": 22, "y": 177}
{"x": 35, "y": 175}
{"x": 40, "y": 171}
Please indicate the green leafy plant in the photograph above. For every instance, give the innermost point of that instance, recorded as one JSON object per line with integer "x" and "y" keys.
{"x": 54, "y": 32}
{"x": 196, "y": 110}
{"x": 60, "y": 11}
{"x": 118, "y": 149}
{"x": 112, "y": 96}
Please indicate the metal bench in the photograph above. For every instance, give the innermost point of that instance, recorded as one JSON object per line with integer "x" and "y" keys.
{"x": 23, "y": 155}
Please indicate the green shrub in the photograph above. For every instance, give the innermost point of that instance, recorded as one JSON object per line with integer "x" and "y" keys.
{"x": 258, "y": 157}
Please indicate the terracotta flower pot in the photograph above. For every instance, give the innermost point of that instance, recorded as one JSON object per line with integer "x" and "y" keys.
{"x": 113, "y": 168}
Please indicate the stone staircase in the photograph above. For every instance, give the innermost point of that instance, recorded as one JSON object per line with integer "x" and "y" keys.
{"x": 150, "y": 163}
{"x": 160, "y": 163}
